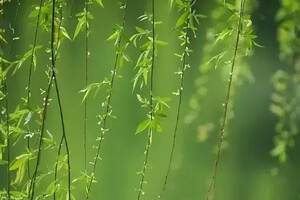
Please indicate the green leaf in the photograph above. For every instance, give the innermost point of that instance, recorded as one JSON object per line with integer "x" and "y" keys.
{"x": 2, "y": 38}
{"x": 65, "y": 33}
{"x": 180, "y": 2}
{"x": 90, "y": 88}
{"x": 19, "y": 165}
{"x": 3, "y": 162}
{"x": 2, "y": 95}
{"x": 171, "y": 3}
{"x": 81, "y": 22}
{"x": 182, "y": 19}
{"x": 161, "y": 43}
{"x": 230, "y": 7}
{"x": 142, "y": 126}
{"x": 113, "y": 36}
{"x": 100, "y": 3}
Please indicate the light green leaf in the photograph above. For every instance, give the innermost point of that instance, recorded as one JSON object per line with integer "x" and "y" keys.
{"x": 81, "y": 22}
{"x": 2, "y": 38}
{"x": 113, "y": 36}
{"x": 182, "y": 19}
{"x": 19, "y": 165}
{"x": 99, "y": 2}
{"x": 142, "y": 126}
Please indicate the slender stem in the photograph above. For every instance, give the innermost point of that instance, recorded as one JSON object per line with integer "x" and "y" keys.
{"x": 86, "y": 81}
{"x": 31, "y": 190}
{"x": 7, "y": 136}
{"x": 107, "y": 109}
{"x": 212, "y": 184}
{"x": 182, "y": 73}
{"x": 63, "y": 137}
{"x": 150, "y": 132}
{"x": 7, "y": 109}
{"x": 143, "y": 173}
{"x": 30, "y": 73}
{"x": 44, "y": 114}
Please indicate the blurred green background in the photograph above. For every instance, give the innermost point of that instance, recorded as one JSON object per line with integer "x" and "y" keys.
{"x": 247, "y": 170}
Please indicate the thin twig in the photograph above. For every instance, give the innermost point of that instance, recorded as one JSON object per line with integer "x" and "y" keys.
{"x": 150, "y": 132}
{"x": 7, "y": 136}
{"x": 7, "y": 109}
{"x": 44, "y": 114}
{"x": 212, "y": 184}
{"x": 182, "y": 73}
{"x": 31, "y": 190}
{"x": 107, "y": 109}
{"x": 86, "y": 81}
{"x": 63, "y": 137}
{"x": 30, "y": 74}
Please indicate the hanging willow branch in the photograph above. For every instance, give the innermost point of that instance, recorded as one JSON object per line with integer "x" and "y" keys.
{"x": 63, "y": 137}
{"x": 180, "y": 91}
{"x": 108, "y": 109}
{"x": 227, "y": 99}
{"x": 7, "y": 135}
{"x": 86, "y": 4}
{"x": 44, "y": 113}
{"x": 5, "y": 91}
{"x": 150, "y": 130}
{"x": 30, "y": 73}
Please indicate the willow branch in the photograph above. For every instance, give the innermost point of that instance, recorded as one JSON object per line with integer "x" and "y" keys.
{"x": 86, "y": 81}
{"x": 7, "y": 136}
{"x": 227, "y": 99}
{"x": 182, "y": 74}
{"x": 107, "y": 109}
{"x": 63, "y": 137}
{"x": 52, "y": 78}
{"x": 30, "y": 73}
{"x": 150, "y": 132}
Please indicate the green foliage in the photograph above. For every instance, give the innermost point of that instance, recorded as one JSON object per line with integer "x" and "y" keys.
{"x": 82, "y": 22}
{"x": 120, "y": 44}
{"x": 285, "y": 99}
{"x": 143, "y": 41}
{"x": 159, "y": 112}
{"x": 24, "y": 130}
{"x": 218, "y": 50}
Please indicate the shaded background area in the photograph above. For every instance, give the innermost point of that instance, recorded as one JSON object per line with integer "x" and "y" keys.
{"x": 247, "y": 170}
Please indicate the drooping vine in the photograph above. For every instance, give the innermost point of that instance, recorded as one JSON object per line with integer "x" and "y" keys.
{"x": 145, "y": 40}
{"x": 4, "y": 95}
{"x": 285, "y": 98}
{"x": 32, "y": 63}
{"x": 86, "y": 9}
{"x": 54, "y": 44}
{"x": 8, "y": 148}
{"x": 219, "y": 37}
{"x": 63, "y": 137}
{"x": 83, "y": 24}
{"x": 185, "y": 25}
{"x": 121, "y": 43}
{"x": 239, "y": 29}
{"x": 151, "y": 107}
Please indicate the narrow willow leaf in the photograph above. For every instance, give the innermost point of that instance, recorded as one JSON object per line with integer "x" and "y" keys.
{"x": 182, "y": 19}
{"x": 79, "y": 27}
{"x": 65, "y": 33}
{"x": 99, "y": 2}
{"x": 2, "y": 38}
{"x": 143, "y": 125}
{"x": 113, "y": 36}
